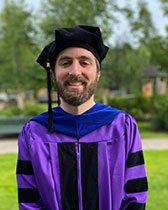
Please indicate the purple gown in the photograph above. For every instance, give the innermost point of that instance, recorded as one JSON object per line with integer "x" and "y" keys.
{"x": 101, "y": 170}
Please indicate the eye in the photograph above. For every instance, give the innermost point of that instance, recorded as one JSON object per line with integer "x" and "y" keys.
{"x": 84, "y": 63}
{"x": 65, "y": 63}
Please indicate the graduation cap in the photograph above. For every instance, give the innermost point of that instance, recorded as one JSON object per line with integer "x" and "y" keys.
{"x": 87, "y": 37}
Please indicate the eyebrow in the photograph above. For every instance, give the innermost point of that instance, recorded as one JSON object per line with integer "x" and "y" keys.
{"x": 85, "y": 57}
{"x": 64, "y": 58}
{"x": 79, "y": 57}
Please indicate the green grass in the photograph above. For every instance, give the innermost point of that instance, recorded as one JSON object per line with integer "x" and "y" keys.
{"x": 146, "y": 131}
{"x": 156, "y": 166}
{"x": 157, "y": 172}
{"x": 8, "y": 189}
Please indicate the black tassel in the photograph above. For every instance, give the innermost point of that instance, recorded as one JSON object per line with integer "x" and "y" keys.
{"x": 58, "y": 99}
{"x": 50, "y": 116}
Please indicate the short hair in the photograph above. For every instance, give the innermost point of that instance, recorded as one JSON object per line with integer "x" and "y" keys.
{"x": 98, "y": 65}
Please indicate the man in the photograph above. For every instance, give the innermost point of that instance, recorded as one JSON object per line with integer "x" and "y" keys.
{"x": 91, "y": 157}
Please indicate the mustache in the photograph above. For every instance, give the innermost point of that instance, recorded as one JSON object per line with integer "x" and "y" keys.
{"x": 75, "y": 78}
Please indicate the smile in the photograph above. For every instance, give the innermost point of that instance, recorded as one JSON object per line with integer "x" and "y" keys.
{"x": 75, "y": 83}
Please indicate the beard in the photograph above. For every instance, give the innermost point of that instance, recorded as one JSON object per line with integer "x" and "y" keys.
{"x": 76, "y": 97}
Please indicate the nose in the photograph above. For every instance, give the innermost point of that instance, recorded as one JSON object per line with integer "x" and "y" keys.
{"x": 75, "y": 68}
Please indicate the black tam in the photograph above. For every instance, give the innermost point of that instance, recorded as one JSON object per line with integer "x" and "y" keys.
{"x": 87, "y": 37}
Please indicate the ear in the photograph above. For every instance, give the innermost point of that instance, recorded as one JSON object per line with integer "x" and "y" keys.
{"x": 98, "y": 75}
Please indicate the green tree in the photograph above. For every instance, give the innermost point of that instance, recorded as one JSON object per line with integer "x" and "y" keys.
{"x": 165, "y": 6}
{"x": 66, "y": 13}
{"x": 159, "y": 50}
{"x": 18, "y": 50}
{"x": 124, "y": 68}
{"x": 144, "y": 30}
{"x": 165, "y": 9}
{"x": 141, "y": 23}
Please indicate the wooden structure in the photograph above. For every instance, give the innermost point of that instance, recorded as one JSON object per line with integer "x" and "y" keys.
{"x": 154, "y": 81}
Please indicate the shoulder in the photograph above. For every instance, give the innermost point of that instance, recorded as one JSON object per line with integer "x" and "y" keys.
{"x": 123, "y": 122}
{"x": 124, "y": 119}
{"x": 31, "y": 125}
{"x": 31, "y": 129}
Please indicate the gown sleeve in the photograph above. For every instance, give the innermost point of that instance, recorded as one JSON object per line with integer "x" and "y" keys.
{"x": 28, "y": 194}
{"x": 135, "y": 181}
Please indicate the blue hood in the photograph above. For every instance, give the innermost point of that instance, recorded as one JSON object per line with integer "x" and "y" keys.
{"x": 79, "y": 125}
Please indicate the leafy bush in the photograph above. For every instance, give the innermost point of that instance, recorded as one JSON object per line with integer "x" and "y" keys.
{"x": 34, "y": 109}
{"x": 138, "y": 114}
{"x": 28, "y": 110}
{"x": 138, "y": 106}
{"x": 160, "y": 113}
{"x": 11, "y": 111}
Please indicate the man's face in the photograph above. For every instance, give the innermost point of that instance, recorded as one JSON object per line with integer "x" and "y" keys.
{"x": 76, "y": 75}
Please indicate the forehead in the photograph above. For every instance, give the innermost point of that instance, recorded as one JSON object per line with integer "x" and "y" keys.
{"x": 75, "y": 52}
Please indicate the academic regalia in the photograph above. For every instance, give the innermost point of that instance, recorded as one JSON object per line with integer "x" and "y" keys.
{"x": 92, "y": 161}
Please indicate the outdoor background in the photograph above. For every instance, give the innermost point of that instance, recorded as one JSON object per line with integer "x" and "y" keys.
{"x": 134, "y": 75}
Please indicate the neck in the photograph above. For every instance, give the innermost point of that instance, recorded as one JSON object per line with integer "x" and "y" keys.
{"x": 77, "y": 109}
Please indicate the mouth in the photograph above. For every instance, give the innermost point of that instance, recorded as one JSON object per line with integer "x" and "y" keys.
{"x": 76, "y": 84}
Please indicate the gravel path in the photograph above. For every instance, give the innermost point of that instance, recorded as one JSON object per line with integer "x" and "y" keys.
{"x": 155, "y": 143}
{"x": 9, "y": 145}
